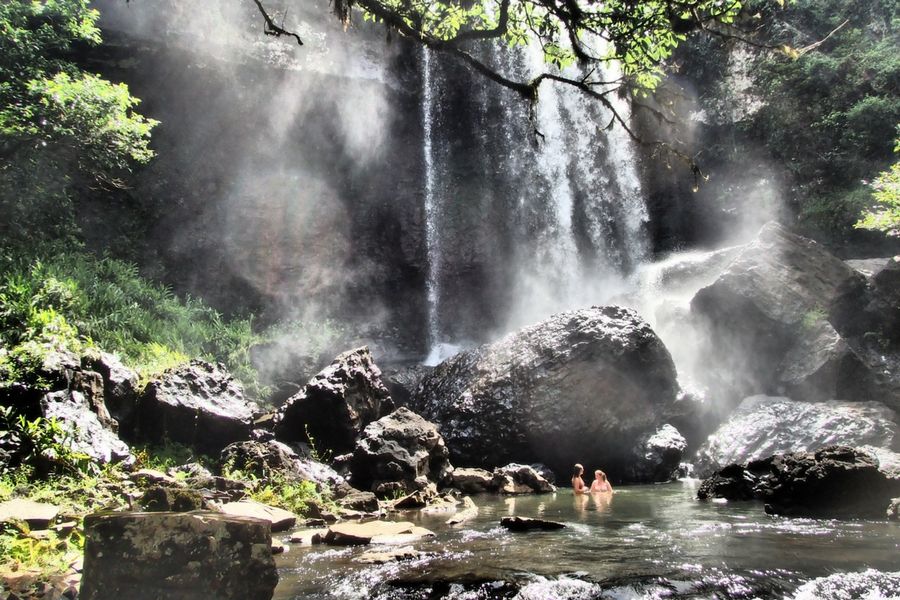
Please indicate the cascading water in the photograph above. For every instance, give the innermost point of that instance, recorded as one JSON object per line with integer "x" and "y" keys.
{"x": 529, "y": 210}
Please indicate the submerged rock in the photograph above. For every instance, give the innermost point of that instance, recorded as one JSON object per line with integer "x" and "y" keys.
{"x": 529, "y": 524}
{"x": 578, "y": 387}
{"x": 833, "y": 482}
{"x": 200, "y": 405}
{"x": 335, "y": 406}
{"x": 177, "y": 556}
{"x": 764, "y": 425}
{"x": 401, "y": 448}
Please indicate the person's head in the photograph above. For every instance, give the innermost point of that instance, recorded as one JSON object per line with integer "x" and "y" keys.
{"x": 578, "y": 470}
{"x": 600, "y": 475}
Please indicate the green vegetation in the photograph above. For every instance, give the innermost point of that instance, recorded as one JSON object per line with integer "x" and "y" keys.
{"x": 828, "y": 116}
{"x": 885, "y": 214}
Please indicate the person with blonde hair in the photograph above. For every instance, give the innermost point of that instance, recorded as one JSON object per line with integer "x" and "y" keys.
{"x": 600, "y": 483}
{"x": 578, "y": 485}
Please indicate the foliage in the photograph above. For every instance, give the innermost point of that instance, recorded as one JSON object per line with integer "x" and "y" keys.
{"x": 294, "y": 496}
{"x": 827, "y": 116}
{"x": 40, "y": 446}
{"x": 639, "y": 35}
{"x": 48, "y": 105}
{"x": 885, "y": 215}
{"x": 74, "y": 300}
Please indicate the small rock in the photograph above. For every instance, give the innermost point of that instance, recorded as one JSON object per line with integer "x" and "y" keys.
{"x": 164, "y": 499}
{"x": 469, "y": 511}
{"x": 359, "y": 500}
{"x": 525, "y": 478}
{"x": 317, "y": 523}
{"x": 279, "y": 549}
{"x": 38, "y": 515}
{"x": 386, "y": 556}
{"x": 356, "y": 534}
{"x": 308, "y": 537}
{"x": 528, "y": 524}
{"x": 280, "y": 519}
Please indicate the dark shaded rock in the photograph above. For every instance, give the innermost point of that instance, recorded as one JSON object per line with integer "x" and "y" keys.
{"x": 336, "y": 404}
{"x": 177, "y": 556}
{"x": 401, "y": 448}
{"x": 578, "y": 387}
{"x": 833, "y": 482}
{"x": 733, "y": 482}
{"x": 658, "y": 455}
{"x": 473, "y": 481}
{"x": 529, "y": 524}
{"x": 86, "y": 432}
{"x": 764, "y": 425}
{"x": 120, "y": 388}
{"x": 522, "y": 476}
{"x": 160, "y": 498}
{"x": 403, "y": 382}
{"x": 359, "y": 500}
{"x": 200, "y": 405}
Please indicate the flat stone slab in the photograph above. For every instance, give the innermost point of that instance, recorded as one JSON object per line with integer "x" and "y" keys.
{"x": 374, "y": 532}
{"x": 529, "y": 524}
{"x": 38, "y": 515}
{"x": 379, "y": 557}
{"x": 281, "y": 519}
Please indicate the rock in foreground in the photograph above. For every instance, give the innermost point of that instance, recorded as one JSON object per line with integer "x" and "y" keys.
{"x": 578, "y": 387}
{"x": 183, "y": 556}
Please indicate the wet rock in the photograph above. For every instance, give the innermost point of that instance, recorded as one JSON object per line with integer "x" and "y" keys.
{"x": 359, "y": 500}
{"x": 578, "y": 387}
{"x": 473, "y": 481}
{"x": 401, "y": 448}
{"x": 86, "y": 432}
{"x": 183, "y": 556}
{"x": 658, "y": 455}
{"x": 374, "y": 532}
{"x": 888, "y": 461}
{"x": 336, "y": 404}
{"x": 468, "y": 512}
{"x": 893, "y": 510}
{"x": 525, "y": 479}
{"x": 309, "y": 537}
{"x": 529, "y": 524}
{"x": 764, "y": 425}
{"x": 381, "y": 557}
{"x": 160, "y": 498}
{"x": 200, "y": 405}
{"x": 120, "y": 388}
{"x": 786, "y": 316}
{"x": 403, "y": 382}
{"x": 833, "y": 482}
{"x": 38, "y": 515}
{"x": 850, "y": 586}
{"x": 279, "y": 519}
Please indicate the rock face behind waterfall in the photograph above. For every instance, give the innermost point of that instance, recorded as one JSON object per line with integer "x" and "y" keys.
{"x": 764, "y": 425}
{"x": 582, "y": 386}
{"x": 788, "y": 317}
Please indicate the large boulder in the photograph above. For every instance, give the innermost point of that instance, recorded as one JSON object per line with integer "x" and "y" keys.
{"x": 581, "y": 386}
{"x": 780, "y": 294}
{"x": 275, "y": 459}
{"x": 400, "y": 452}
{"x": 335, "y": 406}
{"x": 199, "y": 404}
{"x": 85, "y": 430}
{"x": 120, "y": 387}
{"x": 764, "y": 425}
{"x": 177, "y": 556}
{"x": 833, "y": 482}
{"x": 658, "y": 455}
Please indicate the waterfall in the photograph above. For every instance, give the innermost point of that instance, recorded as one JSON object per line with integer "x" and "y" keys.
{"x": 529, "y": 210}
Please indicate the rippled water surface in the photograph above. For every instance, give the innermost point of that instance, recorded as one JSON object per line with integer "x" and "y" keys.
{"x": 644, "y": 542}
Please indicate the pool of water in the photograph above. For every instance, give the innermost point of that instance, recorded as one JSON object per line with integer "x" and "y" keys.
{"x": 644, "y": 542}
